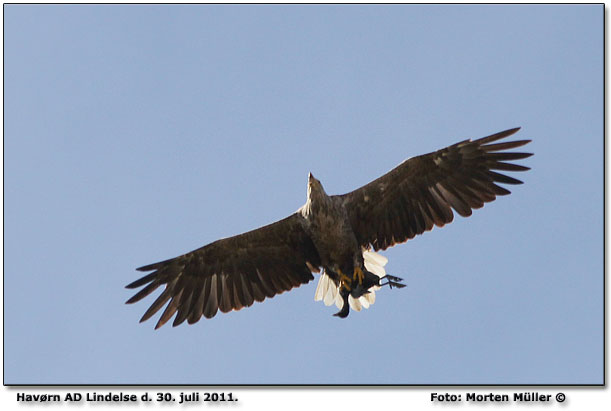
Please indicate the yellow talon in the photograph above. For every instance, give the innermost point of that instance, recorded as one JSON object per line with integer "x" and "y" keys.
{"x": 344, "y": 280}
{"x": 358, "y": 273}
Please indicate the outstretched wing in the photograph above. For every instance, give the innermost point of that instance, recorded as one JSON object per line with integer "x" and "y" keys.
{"x": 422, "y": 191}
{"x": 230, "y": 273}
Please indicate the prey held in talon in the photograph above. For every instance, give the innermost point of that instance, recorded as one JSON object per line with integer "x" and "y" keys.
{"x": 336, "y": 236}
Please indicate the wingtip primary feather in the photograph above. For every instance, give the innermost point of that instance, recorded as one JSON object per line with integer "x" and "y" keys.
{"x": 511, "y": 131}
{"x": 141, "y": 281}
{"x": 149, "y": 267}
{"x": 497, "y": 136}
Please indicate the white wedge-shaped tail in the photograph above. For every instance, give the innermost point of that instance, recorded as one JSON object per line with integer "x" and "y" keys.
{"x": 328, "y": 292}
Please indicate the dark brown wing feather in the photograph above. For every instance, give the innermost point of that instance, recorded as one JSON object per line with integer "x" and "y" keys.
{"x": 422, "y": 191}
{"x": 230, "y": 273}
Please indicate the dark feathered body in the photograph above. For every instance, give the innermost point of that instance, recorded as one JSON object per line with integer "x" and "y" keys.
{"x": 328, "y": 225}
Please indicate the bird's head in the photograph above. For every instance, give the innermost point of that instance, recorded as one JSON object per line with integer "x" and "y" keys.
{"x": 315, "y": 190}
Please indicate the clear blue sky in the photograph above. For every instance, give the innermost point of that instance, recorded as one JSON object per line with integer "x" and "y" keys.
{"x": 137, "y": 133}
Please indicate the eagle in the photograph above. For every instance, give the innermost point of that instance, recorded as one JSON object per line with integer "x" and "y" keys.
{"x": 337, "y": 236}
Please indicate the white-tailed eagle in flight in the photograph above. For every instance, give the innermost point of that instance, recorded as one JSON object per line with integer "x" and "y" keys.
{"x": 335, "y": 234}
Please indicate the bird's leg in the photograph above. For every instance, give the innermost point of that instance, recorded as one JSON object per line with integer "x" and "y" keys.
{"x": 358, "y": 274}
{"x": 345, "y": 281}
